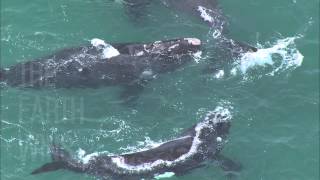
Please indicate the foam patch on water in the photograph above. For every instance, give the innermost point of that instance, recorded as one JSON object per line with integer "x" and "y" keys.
{"x": 214, "y": 20}
{"x": 81, "y": 154}
{"x": 197, "y": 56}
{"x": 205, "y": 15}
{"x": 281, "y": 56}
{"x": 108, "y": 50}
{"x": 219, "y": 74}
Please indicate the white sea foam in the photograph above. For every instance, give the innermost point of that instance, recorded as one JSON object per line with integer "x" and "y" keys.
{"x": 81, "y": 154}
{"x": 216, "y": 33}
{"x": 204, "y": 14}
{"x": 282, "y": 55}
{"x": 219, "y": 74}
{"x": 197, "y": 56}
{"x": 108, "y": 50}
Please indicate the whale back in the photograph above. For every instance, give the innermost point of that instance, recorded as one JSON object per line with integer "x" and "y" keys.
{"x": 168, "y": 151}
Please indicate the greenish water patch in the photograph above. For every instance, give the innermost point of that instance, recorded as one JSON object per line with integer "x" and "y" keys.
{"x": 275, "y": 129}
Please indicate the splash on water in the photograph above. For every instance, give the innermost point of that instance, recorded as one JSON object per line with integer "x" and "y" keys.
{"x": 219, "y": 74}
{"x": 281, "y": 56}
{"x": 197, "y": 56}
{"x": 205, "y": 15}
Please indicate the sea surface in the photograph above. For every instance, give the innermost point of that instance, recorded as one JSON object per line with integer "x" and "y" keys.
{"x": 273, "y": 94}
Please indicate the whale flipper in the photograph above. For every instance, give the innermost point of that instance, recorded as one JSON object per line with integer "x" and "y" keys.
{"x": 185, "y": 171}
{"x": 53, "y": 166}
{"x": 229, "y": 166}
{"x": 60, "y": 158}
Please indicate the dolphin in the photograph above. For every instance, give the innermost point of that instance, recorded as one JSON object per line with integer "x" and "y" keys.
{"x": 102, "y": 64}
{"x": 196, "y": 146}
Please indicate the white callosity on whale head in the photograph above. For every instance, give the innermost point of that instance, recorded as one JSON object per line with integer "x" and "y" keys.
{"x": 193, "y": 41}
{"x": 224, "y": 113}
{"x": 219, "y": 139}
{"x": 219, "y": 115}
{"x": 108, "y": 50}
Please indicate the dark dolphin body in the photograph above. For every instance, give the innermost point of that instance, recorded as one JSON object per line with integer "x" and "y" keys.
{"x": 87, "y": 66}
{"x": 190, "y": 150}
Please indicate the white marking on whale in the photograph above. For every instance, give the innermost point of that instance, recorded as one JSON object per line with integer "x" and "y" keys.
{"x": 164, "y": 175}
{"x": 219, "y": 139}
{"x": 193, "y": 41}
{"x": 108, "y": 50}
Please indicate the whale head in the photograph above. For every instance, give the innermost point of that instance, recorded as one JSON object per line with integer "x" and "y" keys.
{"x": 215, "y": 126}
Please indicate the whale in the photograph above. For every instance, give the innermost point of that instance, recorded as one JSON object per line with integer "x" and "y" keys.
{"x": 196, "y": 147}
{"x": 207, "y": 11}
{"x": 97, "y": 64}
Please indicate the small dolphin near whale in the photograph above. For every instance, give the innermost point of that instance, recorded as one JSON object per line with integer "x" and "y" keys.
{"x": 102, "y": 64}
{"x": 192, "y": 149}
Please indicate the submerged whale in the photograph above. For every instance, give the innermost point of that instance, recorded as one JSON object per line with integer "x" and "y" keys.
{"x": 204, "y": 141}
{"x": 207, "y": 11}
{"x": 102, "y": 64}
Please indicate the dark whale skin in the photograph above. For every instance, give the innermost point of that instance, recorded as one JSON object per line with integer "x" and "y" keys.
{"x": 204, "y": 141}
{"x": 85, "y": 66}
{"x": 213, "y": 17}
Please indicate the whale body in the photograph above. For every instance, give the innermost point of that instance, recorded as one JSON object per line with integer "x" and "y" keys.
{"x": 208, "y": 11}
{"x": 102, "y": 64}
{"x": 204, "y": 141}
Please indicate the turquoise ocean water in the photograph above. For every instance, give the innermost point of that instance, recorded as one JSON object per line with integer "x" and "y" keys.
{"x": 275, "y": 107}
